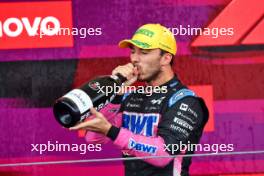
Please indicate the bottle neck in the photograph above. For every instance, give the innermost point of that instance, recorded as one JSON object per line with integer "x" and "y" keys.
{"x": 119, "y": 78}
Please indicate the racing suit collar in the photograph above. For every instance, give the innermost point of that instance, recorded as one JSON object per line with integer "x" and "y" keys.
{"x": 171, "y": 83}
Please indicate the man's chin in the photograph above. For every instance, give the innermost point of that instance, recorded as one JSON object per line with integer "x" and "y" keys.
{"x": 143, "y": 79}
{"x": 148, "y": 78}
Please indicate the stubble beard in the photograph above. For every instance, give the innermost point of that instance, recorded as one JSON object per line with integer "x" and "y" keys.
{"x": 150, "y": 78}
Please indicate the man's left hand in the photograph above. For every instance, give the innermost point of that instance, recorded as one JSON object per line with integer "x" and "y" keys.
{"x": 98, "y": 124}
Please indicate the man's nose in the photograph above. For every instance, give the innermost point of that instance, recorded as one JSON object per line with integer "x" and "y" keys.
{"x": 135, "y": 58}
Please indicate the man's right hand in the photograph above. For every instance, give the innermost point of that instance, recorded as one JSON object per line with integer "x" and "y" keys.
{"x": 129, "y": 71}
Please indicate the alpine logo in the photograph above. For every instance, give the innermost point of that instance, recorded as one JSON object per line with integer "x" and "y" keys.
{"x": 157, "y": 101}
{"x": 141, "y": 147}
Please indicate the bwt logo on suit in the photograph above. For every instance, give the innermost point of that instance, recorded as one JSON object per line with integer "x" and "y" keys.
{"x": 36, "y": 25}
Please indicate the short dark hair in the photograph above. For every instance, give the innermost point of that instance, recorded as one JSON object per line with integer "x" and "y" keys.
{"x": 162, "y": 52}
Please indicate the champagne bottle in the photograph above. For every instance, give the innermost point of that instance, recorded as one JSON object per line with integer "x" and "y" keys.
{"x": 75, "y": 106}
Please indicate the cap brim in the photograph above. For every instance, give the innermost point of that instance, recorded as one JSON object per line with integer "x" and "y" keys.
{"x": 125, "y": 43}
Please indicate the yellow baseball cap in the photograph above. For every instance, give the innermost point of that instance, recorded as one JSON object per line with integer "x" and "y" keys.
{"x": 152, "y": 36}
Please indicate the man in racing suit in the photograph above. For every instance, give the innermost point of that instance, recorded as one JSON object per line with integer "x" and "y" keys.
{"x": 144, "y": 125}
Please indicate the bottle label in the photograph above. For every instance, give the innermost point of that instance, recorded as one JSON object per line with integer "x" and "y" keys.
{"x": 81, "y": 99}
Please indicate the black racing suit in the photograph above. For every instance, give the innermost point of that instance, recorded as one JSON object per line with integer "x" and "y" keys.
{"x": 154, "y": 123}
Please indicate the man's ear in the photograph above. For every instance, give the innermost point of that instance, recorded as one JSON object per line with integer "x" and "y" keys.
{"x": 166, "y": 59}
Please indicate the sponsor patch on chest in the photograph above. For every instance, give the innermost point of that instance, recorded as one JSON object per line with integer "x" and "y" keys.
{"x": 141, "y": 123}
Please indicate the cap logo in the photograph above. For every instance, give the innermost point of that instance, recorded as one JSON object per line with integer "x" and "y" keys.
{"x": 139, "y": 43}
{"x": 145, "y": 32}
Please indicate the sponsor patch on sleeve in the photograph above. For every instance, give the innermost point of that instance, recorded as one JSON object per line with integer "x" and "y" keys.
{"x": 142, "y": 147}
